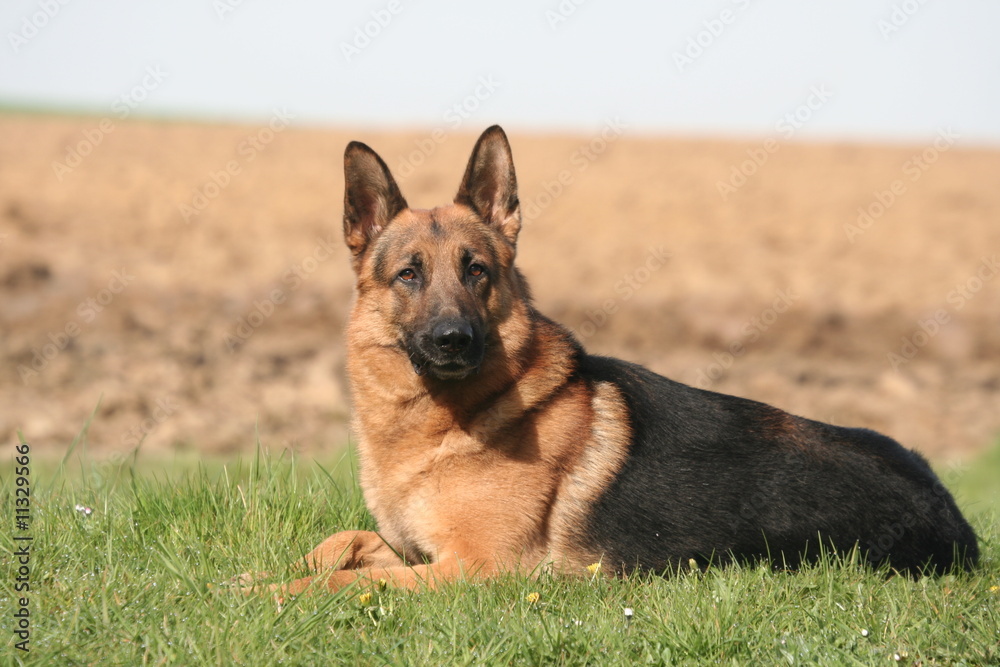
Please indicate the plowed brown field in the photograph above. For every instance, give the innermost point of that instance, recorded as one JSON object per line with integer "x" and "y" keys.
{"x": 192, "y": 282}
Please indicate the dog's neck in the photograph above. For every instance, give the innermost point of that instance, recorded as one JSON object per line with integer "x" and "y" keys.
{"x": 518, "y": 374}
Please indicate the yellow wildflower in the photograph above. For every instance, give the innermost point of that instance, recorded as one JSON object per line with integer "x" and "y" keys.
{"x": 365, "y": 598}
{"x": 533, "y": 598}
{"x": 593, "y": 568}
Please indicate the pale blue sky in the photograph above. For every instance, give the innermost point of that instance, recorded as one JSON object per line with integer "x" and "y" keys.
{"x": 938, "y": 67}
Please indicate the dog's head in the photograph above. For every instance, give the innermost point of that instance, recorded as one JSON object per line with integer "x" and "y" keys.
{"x": 435, "y": 283}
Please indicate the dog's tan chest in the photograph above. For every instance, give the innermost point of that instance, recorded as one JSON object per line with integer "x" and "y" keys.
{"x": 460, "y": 495}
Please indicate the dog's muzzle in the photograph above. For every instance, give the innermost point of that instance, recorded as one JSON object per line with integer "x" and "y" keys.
{"x": 451, "y": 349}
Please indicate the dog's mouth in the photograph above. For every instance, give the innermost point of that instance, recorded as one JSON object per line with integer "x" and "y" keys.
{"x": 447, "y": 370}
{"x": 446, "y": 366}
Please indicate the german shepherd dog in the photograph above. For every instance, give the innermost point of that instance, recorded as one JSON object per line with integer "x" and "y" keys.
{"x": 489, "y": 441}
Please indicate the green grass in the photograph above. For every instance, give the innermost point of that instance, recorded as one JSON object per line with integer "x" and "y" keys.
{"x": 130, "y": 584}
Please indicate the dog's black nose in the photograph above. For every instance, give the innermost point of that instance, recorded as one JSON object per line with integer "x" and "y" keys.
{"x": 453, "y": 336}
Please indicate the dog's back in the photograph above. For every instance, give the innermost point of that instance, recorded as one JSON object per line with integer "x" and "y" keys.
{"x": 715, "y": 477}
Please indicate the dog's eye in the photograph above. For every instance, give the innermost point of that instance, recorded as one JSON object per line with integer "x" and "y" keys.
{"x": 476, "y": 270}
{"x": 408, "y": 275}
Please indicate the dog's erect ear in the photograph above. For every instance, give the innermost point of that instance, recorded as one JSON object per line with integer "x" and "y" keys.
{"x": 489, "y": 186}
{"x": 371, "y": 196}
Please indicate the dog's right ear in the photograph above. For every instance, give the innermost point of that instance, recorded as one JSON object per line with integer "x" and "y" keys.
{"x": 371, "y": 196}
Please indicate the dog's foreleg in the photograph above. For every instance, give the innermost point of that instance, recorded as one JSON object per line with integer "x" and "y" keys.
{"x": 352, "y": 550}
{"x": 414, "y": 577}
{"x": 347, "y": 550}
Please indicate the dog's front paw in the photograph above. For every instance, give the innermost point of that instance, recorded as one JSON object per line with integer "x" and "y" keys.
{"x": 247, "y": 582}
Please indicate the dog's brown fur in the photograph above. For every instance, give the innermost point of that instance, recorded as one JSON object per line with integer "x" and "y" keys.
{"x": 471, "y": 476}
{"x": 489, "y": 441}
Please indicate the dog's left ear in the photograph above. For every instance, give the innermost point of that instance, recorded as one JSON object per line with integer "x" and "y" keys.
{"x": 489, "y": 186}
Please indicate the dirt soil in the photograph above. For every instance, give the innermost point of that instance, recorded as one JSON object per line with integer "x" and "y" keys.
{"x": 190, "y": 282}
